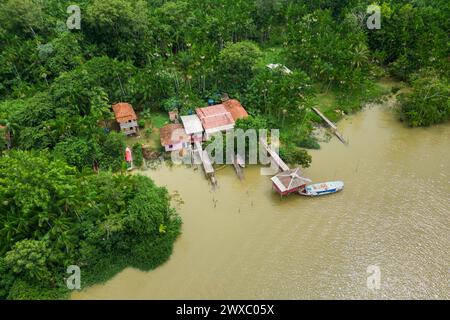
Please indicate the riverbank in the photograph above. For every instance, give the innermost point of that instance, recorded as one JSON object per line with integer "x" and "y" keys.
{"x": 241, "y": 241}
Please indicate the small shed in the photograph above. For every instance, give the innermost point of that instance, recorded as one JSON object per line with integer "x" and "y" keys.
{"x": 126, "y": 118}
{"x": 173, "y": 137}
{"x": 193, "y": 127}
{"x": 289, "y": 181}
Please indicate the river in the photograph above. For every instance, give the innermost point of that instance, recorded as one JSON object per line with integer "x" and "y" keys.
{"x": 243, "y": 242}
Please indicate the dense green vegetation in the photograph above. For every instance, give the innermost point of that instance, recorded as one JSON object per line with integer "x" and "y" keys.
{"x": 57, "y": 85}
{"x": 429, "y": 102}
{"x": 54, "y": 216}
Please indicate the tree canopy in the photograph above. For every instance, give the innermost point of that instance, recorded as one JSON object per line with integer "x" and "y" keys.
{"x": 53, "y": 216}
{"x": 63, "y": 198}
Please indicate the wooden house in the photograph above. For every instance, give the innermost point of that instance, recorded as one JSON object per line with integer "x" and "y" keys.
{"x": 126, "y": 118}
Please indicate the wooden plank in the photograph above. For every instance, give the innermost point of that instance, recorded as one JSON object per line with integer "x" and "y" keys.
{"x": 204, "y": 158}
{"x": 338, "y": 135}
{"x": 279, "y": 162}
{"x": 207, "y": 163}
{"x": 331, "y": 124}
{"x": 198, "y": 148}
{"x": 196, "y": 159}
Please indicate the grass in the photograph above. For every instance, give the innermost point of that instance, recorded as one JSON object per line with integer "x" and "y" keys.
{"x": 334, "y": 103}
{"x": 159, "y": 119}
{"x": 153, "y": 123}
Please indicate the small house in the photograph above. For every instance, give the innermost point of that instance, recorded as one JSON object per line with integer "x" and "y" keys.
{"x": 126, "y": 118}
{"x": 193, "y": 127}
{"x": 173, "y": 137}
{"x": 215, "y": 119}
{"x": 288, "y": 182}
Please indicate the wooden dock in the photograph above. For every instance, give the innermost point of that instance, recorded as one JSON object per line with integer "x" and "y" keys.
{"x": 207, "y": 163}
{"x": 202, "y": 155}
{"x": 331, "y": 125}
{"x": 274, "y": 156}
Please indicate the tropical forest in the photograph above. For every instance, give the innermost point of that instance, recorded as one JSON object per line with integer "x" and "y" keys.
{"x": 66, "y": 194}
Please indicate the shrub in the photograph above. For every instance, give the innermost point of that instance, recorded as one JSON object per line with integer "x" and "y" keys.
{"x": 309, "y": 143}
{"x": 395, "y": 89}
{"x": 29, "y": 258}
{"x": 148, "y": 132}
{"x": 293, "y": 155}
{"x": 58, "y": 216}
{"x": 75, "y": 151}
{"x": 138, "y": 157}
{"x": 428, "y": 103}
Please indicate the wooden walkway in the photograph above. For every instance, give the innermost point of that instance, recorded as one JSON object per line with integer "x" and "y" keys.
{"x": 275, "y": 157}
{"x": 206, "y": 161}
{"x": 331, "y": 124}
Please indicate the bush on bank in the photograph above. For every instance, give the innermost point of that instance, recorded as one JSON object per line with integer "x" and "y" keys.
{"x": 51, "y": 216}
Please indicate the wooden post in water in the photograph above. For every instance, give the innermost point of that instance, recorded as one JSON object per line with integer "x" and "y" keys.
{"x": 237, "y": 162}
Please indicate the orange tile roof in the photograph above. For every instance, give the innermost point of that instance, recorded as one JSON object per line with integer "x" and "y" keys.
{"x": 124, "y": 112}
{"x": 289, "y": 180}
{"x": 236, "y": 109}
{"x": 214, "y": 116}
{"x": 172, "y": 134}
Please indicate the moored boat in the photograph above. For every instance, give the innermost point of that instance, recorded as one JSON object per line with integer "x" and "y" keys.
{"x": 321, "y": 189}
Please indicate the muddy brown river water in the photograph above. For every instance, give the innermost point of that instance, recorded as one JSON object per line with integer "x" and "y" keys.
{"x": 242, "y": 242}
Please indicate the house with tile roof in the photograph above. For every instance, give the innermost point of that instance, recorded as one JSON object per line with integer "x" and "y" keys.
{"x": 235, "y": 108}
{"x": 173, "y": 137}
{"x": 126, "y": 118}
{"x": 215, "y": 119}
